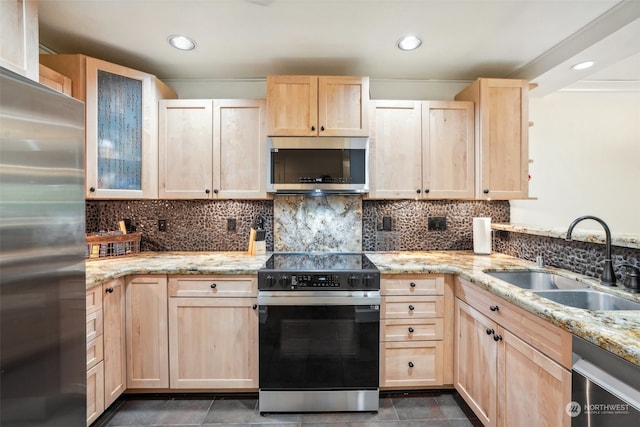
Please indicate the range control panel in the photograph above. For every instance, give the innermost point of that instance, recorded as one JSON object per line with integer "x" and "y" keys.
{"x": 289, "y": 281}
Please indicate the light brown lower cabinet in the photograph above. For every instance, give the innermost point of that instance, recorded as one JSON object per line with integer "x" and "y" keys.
{"x": 416, "y": 321}
{"x": 115, "y": 368}
{"x": 213, "y": 335}
{"x": 147, "y": 332}
{"x": 95, "y": 392}
{"x": 95, "y": 365}
{"x": 510, "y": 380}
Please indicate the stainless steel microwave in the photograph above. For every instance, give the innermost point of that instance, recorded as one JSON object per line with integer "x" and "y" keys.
{"x": 317, "y": 165}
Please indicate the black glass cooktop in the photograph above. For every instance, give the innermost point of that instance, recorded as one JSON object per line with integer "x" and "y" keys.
{"x": 319, "y": 262}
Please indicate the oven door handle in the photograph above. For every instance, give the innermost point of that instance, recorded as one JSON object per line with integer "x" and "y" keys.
{"x": 320, "y": 298}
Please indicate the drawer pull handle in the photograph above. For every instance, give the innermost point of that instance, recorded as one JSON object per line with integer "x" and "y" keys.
{"x": 109, "y": 290}
{"x": 411, "y": 364}
{"x": 497, "y": 337}
{"x": 412, "y": 284}
{"x": 494, "y": 308}
{"x": 490, "y": 331}
{"x": 410, "y": 329}
{"x": 411, "y": 308}
{"x": 213, "y": 286}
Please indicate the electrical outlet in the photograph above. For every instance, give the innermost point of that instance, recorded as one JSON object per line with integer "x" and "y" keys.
{"x": 386, "y": 223}
{"x": 162, "y": 225}
{"x": 437, "y": 223}
{"x": 231, "y": 224}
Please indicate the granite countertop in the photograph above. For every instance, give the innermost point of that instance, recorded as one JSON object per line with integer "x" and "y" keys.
{"x": 100, "y": 271}
{"x": 616, "y": 331}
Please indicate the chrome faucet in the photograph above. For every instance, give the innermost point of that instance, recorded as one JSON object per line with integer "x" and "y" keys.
{"x": 608, "y": 274}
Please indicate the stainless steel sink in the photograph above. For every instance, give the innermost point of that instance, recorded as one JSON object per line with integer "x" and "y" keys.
{"x": 589, "y": 299}
{"x": 536, "y": 280}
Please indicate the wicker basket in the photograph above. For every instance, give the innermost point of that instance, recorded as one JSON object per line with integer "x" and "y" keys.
{"x": 100, "y": 246}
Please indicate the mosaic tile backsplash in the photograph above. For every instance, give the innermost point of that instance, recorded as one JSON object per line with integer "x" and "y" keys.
{"x": 192, "y": 225}
{"x": 579, "y": 257}
{"x": 409, "y": 223}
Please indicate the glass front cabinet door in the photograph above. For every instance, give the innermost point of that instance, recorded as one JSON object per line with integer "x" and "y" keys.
{"x": 121, "y": 158}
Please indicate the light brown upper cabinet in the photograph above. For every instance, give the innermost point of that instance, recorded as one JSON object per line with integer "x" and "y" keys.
{"x": 54, "y": 80}
{"x": 396, "y": 147}
{"x": 422, "y": 150}
{"x": 121, "y": 125}
{"x": 317, "y": 106}
{"x": 502, "y": 137}
{"x": 212, "y": 149}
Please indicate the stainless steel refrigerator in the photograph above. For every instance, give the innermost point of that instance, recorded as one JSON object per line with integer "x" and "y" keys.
{"x": 42, "y": 276}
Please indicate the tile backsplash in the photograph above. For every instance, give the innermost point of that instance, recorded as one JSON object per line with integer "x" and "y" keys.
{"x": 409, "y": 223}
{"x": 580, "y": 257}
{"x": 296, "y": 223}
{"x": 192, "y": 225}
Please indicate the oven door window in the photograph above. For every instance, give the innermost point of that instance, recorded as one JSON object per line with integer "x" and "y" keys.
{"x": 319, "y": 347}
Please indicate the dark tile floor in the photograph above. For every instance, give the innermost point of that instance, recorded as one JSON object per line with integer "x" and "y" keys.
{"x": 433, "y": 409}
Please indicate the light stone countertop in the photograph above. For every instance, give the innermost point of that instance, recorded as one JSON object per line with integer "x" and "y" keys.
{"x": 616, "y": 331}
{"x": 617, "y": 239}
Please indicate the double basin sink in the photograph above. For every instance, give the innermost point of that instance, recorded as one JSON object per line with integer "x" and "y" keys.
{"x": 564, "y": 290}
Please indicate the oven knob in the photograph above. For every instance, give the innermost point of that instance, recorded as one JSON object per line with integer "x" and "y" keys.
{"x": 269, "y": 281}
{"x": 285, "y": 280}
{"x": 352, "y": 280}
{"x": 368, "y": 281}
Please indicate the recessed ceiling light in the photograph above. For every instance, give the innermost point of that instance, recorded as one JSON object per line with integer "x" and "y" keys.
{"x": 583, "y": 65}
{"x": 409, "y": 43}
{"x": 182, "y": 42}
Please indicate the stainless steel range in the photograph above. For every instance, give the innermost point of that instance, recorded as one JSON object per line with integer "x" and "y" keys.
{"x": 319, "y": 333}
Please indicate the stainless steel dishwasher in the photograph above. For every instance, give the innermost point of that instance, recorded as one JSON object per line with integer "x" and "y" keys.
{"x": 605, "y": 389}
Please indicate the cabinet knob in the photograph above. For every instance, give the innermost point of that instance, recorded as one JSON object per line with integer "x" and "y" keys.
{"x": 411, "y": 364}
{"x": 485, "y": 191}
{"x": 426, "y": 190}
{"x": 109, "y": 290}
{"x": 410, "y": 329}
{"x": 418, "y": 191}
{"x": 207, "y": 191}
{"x": 412, "y": 284}
{"x": 494, "y": 308}
{"x": 411, "y": 308}
{"x": 497, "y": 338}
{"x": 490, "y": 331}
{"x": 313, "y": 128}
{"x": 255, "y": 306}
{"x": 213, "y": 286}
{"x": 92, "y": 189}
{"x": 215, "y": 190}
{"x": 321, "y": 128}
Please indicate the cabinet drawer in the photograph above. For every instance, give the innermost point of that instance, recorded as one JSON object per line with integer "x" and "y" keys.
{"x": 94, "y": 325}
{"x": 94, "y": 299}
{"x": 213, "y": 286}
{"x": 95, "y": 352}
{"x": 403, "y": 307}
{"x": 412, "y": 285}
{"x": 414, "y": 364}
{"x": 412, "y": 330}
{"x": 547, "y": 338}
{"x": 95, "y": 392}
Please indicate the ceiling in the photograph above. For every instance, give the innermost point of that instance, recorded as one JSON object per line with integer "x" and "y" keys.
{"x": 462, "y": 40}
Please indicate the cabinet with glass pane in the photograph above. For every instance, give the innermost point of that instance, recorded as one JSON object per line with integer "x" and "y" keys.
{"x": 121, "y": 125}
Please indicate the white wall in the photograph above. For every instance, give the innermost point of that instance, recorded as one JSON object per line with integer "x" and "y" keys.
{"x": 586, "y": 153}
{"x": 257, "y": 88}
